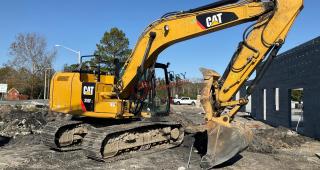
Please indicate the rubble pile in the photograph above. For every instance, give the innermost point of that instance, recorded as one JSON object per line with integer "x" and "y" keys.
{"x": 272, "y": 139}
{"x": 18, "y": 120}
{"x": 23, "y": 123}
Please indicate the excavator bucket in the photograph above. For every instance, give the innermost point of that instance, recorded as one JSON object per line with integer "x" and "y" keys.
{"x": 224, "y": 142}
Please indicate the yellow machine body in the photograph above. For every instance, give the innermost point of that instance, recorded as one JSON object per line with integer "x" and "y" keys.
{"x": 67, "y": 90}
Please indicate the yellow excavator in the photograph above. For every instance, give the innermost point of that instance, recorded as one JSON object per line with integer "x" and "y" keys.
{"x": 125, "y": 114}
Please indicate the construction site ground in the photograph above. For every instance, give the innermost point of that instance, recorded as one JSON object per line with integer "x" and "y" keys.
{"x": 272, "y": 147}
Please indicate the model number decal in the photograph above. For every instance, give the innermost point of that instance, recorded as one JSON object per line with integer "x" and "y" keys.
{"x": 87, "y": 101}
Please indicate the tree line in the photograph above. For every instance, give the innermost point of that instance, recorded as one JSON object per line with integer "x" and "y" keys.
{"x": 29, "y": 58}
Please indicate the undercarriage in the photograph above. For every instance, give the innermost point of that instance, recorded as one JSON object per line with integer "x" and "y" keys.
{"x": 109, "y": 142}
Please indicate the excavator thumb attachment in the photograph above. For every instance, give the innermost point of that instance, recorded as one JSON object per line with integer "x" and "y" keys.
{"x": 224, "y": 142}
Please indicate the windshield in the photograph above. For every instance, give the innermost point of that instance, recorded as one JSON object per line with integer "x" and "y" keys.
{"x": 157, "y": 102}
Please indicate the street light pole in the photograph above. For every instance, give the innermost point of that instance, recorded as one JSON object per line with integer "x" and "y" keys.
{"x": 72, "y": 50}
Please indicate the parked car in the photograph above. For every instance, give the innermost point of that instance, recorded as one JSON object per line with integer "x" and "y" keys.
{"x": 184, "y": 100}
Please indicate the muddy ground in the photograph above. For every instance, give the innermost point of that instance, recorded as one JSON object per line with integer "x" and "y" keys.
{"x": 272, "y": 148}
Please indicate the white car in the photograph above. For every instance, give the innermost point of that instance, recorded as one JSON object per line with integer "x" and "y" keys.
{"x": 184, "y": 100}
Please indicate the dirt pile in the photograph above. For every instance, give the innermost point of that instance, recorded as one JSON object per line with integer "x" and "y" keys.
{"x": 22, "y": 123}
{"x": 18, "y": 122}
{"x": 273, "y": 139}
{"x": 22, "y": 118}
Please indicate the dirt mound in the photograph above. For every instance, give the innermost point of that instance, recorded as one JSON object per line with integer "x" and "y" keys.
{"x": 25, "y": 119}
{"x": 273, "y": 139}
{"x": 18, "y": 122}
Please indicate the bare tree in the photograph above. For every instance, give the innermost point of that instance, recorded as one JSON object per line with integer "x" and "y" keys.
{"x": 29, "y": 51}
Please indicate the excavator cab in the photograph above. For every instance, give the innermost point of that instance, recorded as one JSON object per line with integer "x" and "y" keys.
{"x": 151, "y": 96}
{"x": 159, "y": 96}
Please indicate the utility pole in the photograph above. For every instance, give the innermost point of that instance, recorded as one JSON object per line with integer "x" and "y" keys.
{"x": 45, "y": 83}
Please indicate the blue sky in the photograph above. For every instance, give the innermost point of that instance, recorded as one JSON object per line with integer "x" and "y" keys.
{"x": 80, "y": 24}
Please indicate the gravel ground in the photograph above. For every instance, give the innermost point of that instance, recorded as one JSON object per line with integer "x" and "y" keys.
{"x": 272, "y": 148}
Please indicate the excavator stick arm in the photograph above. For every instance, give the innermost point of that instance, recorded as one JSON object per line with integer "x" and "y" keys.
{"x": 270, "y": 29}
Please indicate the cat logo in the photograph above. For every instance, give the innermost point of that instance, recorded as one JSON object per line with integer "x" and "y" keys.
{"x": 88, "y": 90}
{"x": 214, "y": 20}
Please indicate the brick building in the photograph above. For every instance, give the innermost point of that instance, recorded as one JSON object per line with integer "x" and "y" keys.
{"x": 14, "y": 94}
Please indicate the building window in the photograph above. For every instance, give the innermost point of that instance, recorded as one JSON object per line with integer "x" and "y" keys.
{"x": 276, "y": 99}
{"x": 296, "y": 102}
{"x": 264, "y": 104}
